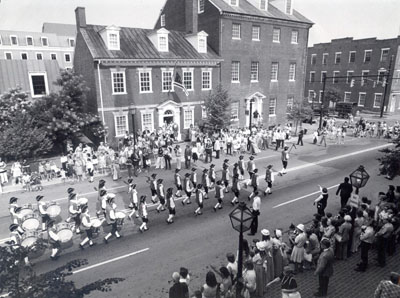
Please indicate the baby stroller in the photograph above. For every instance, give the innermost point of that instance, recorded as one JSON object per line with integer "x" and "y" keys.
{"x": 36, "y": 182}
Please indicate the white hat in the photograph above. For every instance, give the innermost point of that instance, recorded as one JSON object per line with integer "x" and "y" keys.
{"x": 300, "y": 227}
{"x": 265, "y": 232}
{"x": 278, "y": 233}
{"x": 261, "y": 245}
{"x": 347, "y": 218}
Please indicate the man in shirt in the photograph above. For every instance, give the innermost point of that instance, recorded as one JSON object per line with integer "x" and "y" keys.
{"x": 345, "y": 190}
{"x": 382, "y": 237}
{"x": 389, "y": 288}
{"x": 178, "y": 289}
{"x": 324, "y": 268}
{"x": 255, "y": 210}
{"x": 367, "y": 238}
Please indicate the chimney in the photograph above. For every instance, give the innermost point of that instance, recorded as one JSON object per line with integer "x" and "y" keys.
{"x": 191, "y": 16}
{"x": 80, "y": 17}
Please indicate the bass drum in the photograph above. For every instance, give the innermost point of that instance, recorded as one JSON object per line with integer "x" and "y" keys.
{"x": 29, "y": 238}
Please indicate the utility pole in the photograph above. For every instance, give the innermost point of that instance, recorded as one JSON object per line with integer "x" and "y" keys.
{"x": 387, "y": 75}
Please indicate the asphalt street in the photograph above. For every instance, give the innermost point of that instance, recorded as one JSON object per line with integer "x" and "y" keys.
{"x": 147, "y": 260}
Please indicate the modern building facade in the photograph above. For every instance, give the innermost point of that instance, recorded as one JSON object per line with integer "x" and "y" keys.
{"x": 363, "y": 64}
{"x": 130, "y": 72}
{"x": 263, "y": 45}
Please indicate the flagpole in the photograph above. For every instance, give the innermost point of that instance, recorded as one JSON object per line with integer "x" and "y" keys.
{"x": 173, "y": 77}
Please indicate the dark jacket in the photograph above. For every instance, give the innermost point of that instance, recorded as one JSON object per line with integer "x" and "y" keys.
{"x": 345, "y": 190}
{"x": 325, "y": 263}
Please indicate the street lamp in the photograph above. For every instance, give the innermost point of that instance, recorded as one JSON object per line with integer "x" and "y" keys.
{"x": 359, "y": 178}
{"x": 241, "y": 218}
{"x": 251, "y": 111}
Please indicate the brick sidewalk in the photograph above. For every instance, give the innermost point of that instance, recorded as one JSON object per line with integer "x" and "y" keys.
{"x": 345, "y": 282}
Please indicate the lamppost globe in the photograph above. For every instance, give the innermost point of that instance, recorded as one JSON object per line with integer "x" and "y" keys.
{"x": 359, "y": 177}
{"x": 241, "y": 218}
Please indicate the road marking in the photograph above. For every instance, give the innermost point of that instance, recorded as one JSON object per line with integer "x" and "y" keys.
{"x": 109, "y": 261}
{"x": 303, "y": 197}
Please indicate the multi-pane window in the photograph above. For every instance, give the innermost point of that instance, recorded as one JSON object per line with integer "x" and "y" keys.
{"x": 274, "y": 71}
{"x": 113, "y": 41}
{"x": 24, "y": 56}
{"x": 323, "y": 76}
{"x": 312, "y": 76}
{"x": 335, "y": 77}
{"x": 255, "y": 33}
{"x": 352, "y": 57}
{"x": 290, "y": 101}
{"x": 254, "y": 72}
{"x": 349, "y": 76}
{"x": 364, "y": 75}
{"x": 188, "y": 79}
{"x": 8, "y": 55}
{"x": 338, "y": 57}
{"x": 45, "y": 41}
{"x": 347, "y": 96}
{"x": 38, "y": 84}
{"x": 263, "y": 4}
{"x": 14, "y": 40}
{"x": 378, "y": 100}
{"x": 145, "y": 81}
{"x": 162, "y": 20}
{"x": 288, "y": 7}
{"x": 381, "y": 75}
{"x": 361, "y": 99}
{"x": 325, "y": 58}
{"x": 39, "y": 56}
{"x": 121, "y": 125}
{"x": 118, "y": 82}
{"x": 235, "y": 111}
{"x": 234, "y": 2}
{"x": 53, "y": 56}
{"x": 163, "y": 43}
{"x": 272, "y": 107}
{"x": 166, "y": 80}
{"x": 187, "y": 118}
{"x": 295, "y": 36}
{"x": 384, "y": 55}
{"x": 235, "y": 72}
{"x": 201, "y": 6}
{"x": 313, "y": 59}
{"x": 147, "y": 121}
{"x": 292, "y": 71}
{"x": 235, "y": 31}
{"x": 71, "y": 42}
{"x": 67, "y": 57}
{"x": 29, "y": 41}
{"x": 202, "y": 44}
{"x": 206, "y": 80}
{"x": 367, "y": 56}
{"x": 276, "y": 35}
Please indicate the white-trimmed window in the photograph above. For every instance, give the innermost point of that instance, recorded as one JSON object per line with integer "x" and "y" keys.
{"x": 313, "y": 59}
{"x": 202, "y": 44}
{"x": 24, "y": 56}
{"x": 272, "y": 106}
{"x": 39, "y": 56}
{"x": 292, "y": 71}
{"x": 311, "y": 95}
{"x": 53, "y": 56}
{"x": 206, "y": 77}
{"x": 113, "y": 40}
{"x": 166, "y": 77}
{"x": 295, "y": 37}
{"x": 44, "y": 40}
{"x": 384, "y": 54}
{"x": 381, "y": 75}
{"x": 71, "y": 42}
{"x": 234, "y": 2}
{"x": 324, "y": 58}
{"x": 188, "y": 117}
{"x": 203, "y": 112}
{"x": 235, "y": 111}
{"x": 338, "y": 57}
{"x": 236, "y": 31}
{"x": 323, "y": 75}
{"x": 335, "y": 75}
{"x": 235, "y": 72}
{"x": 290, "y": 101}
{"x": 145, "y": 82}
{"x": 67, "y": 57}
{"x": 147, "y": 120}
{"x": 378, "y": 100}
{"x": 263, "y": 4}
{"x": 255, "y": 33}
{"x": 349, "y": 76}
{"x": 276, "y": 35}
{"x": 274, "y": 71}
{"x": 201, "y": 6}
{"x": 163, "y": 42}
{"x": 121, "y": 123}
{"x": 254, "y": 71}
{"x": 312, "y": 76}
{"x": 13, "y": 40}
{"x": 347, "y": 97}
{"x": 352, "y": 56}
{"x": 38, "y": 84}
{"x": 288, "y": 7}
{"x": 29, "y": 41}
{"x": 187, "y": 78}
{"x": 361, "y": 99}
{"x": 162, "y": 20}
{"x": 8, "y": 56}
{"x": 118, "y": 81}
{"x": 364, "y": 75}
{"x": 367, "y": 56}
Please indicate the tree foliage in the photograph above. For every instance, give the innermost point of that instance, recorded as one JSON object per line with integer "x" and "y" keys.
{"x": 331, "y": 95}
{"x": 12, "y": 103}
{"x": 298, "y": 112}
{"x": 390, "y": 161}
{"x": 21, "y": 281}
{"x": 218, "y": 108}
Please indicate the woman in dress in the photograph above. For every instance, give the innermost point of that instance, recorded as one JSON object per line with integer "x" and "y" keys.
{"x": 225, "y": 287}
{"x": 16, "y": 170}
{"x": 298, "y": 249}
{"x": 277, "y": 252}
{"x": 260, "y": 267}
{"x": 249, "y": 280}
{"x": 210, "y": 288}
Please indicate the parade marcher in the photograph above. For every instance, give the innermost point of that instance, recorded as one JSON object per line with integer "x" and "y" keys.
{"x": 242, "y": 166}
{"x": 74, "y": 211}
{"x": 153, "y": 188}
{"x": 255, "y": 210}
{"x": 193, "y": 177}
{"x": 235, "y": 189}
{"x": 143, "y": 210}
{"x": 12, "y": 206}
{"x": 269, "y": 178}
{"x": 103, "y": 203}
{"x": 134, "y": 202}
{"x": 205, "y": 181}
{"x": 219, "y": 195}
{"x": 345, "y": 189}
{"x": 16, "y": 233}
{"x": 101, "y": 191}
{"x": 161, "y": 196}
{"x": 225, "y": 177}
{"x": 284, "y": 159}
{"x": 188, "y": 188}
{"x": 322, "y": 201}
{"x": 42, "y": 211}
{"x": 288, "y": 283}
{"x": 251, "y": 166}
{"x": 212, "y": 175}
{"x": 199, "y": 199}
{"x": 178, "y": 182}
{"x": 54, "y": 240}
{"x": 90, "y": 169}
{"x": 254, "y": 183}
{"x": 111, "y": 218}
{"x": 86, "y": 225}
{"x": 170, "y": 205}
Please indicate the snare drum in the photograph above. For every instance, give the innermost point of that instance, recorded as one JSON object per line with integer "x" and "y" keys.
{"x": 29, "y": 238}
{"x": 53, "y": 209}
{"x": 30, "y": 222}
{"x": 25, "y": 210}
{"x": 64, "y": 232}
{"x": 120, "y": 216}
{"x": 96, "y": 223}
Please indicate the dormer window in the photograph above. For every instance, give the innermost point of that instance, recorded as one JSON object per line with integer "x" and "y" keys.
{"x": 163, "y": 42}
{"x": 29, "y": 41}
{"x": 110, "y": 36}
{"x": 202, "y": 44}
{"x": 162, "y": 20}
{"x": 263, "y": 4}
{"x": 113, "y": 41}
{"x": 289, "y": 7}
{"x": 45, "y": 41}
{"x": 159, "y": 39}
{"x": 71, "y": 42}
{"x": 234, "y": 2}
{"x": 14, "y": 40}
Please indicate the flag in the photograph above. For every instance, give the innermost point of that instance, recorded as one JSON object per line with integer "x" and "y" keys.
{"x": 178, "y": 83}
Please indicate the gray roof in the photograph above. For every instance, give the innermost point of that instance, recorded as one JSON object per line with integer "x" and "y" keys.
{"x": 59, "y": 29}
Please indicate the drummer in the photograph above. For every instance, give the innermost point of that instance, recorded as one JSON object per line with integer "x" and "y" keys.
{"x": 101, "y": 204}
{"x": 86, "y": 224}
{"x": 43, "y": 212}
{"x": 12, "y": 207}
{"x": 74, "y": 212}
{"x": 133, "y": 204}
{"x": 143, "y": 209}
{"x": 102, "y": 186}
{"x": 161, "y": 195}
{"x": 54, "y": 240}
{"x": 15, "y": 239}
{"x": 171, "y": 205}
{"x": 111, "y": 218}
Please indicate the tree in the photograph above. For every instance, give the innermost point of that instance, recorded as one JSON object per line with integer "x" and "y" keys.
{"x": 332, "y": 95}
{"x": 298, "y": 112}
{"x": 390, "y": 161}
{"x": 20, "y": 281}
{"x": 12, "y": 103}
{"x": 218, "y": 108}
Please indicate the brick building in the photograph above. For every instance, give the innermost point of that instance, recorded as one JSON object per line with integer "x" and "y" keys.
{"x": 347, "y": 57}
{"x": 130, "y": 73}
{"x": 263, "y": 44}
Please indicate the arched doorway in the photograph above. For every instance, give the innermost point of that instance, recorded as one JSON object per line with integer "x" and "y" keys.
{"x": 168, "y": 117}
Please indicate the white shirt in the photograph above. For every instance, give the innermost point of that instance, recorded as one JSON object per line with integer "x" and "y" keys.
{"x": 256, "y": 203}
